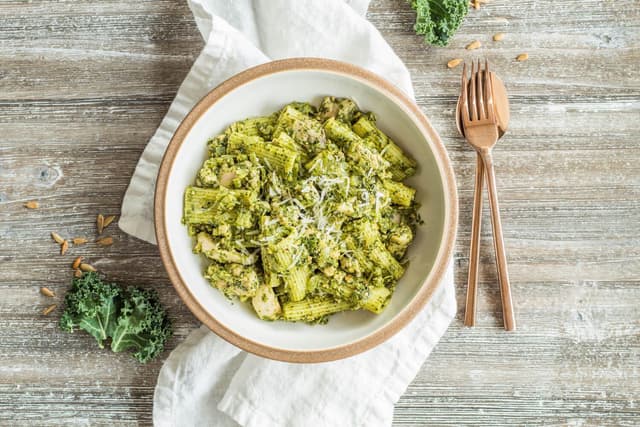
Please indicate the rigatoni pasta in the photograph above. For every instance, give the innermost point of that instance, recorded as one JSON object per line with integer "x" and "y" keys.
{"x": 304, "y": 211}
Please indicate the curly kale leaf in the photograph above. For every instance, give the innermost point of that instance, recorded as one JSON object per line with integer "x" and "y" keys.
{"x": 132, "y": 319}
{"x": 92, "y": 305}
{"x": 438, "y": 20}
{"x": 143, "y": 325}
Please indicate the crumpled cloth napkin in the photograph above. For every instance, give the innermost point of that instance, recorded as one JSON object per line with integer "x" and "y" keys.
{"x": 208, "y": 382}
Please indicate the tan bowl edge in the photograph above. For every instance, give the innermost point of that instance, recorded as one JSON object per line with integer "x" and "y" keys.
{"x": 427, "y": 288}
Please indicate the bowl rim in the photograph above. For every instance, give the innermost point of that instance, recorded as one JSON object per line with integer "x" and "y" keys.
{"x": 429, "y": 284}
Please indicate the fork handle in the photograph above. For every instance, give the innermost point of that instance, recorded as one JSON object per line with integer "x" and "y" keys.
{"x": 474, "y": 247}
{"x": 498, "y": 243}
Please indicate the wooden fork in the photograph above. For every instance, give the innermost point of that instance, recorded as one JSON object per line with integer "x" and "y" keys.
{"x": 481, "y": 131}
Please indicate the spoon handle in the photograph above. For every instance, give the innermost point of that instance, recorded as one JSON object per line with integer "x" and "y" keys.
{"x": 474, "y": 247}
{"x": 498, "y": 243}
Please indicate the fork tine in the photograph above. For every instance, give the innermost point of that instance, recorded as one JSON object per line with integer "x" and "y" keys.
{"x": 463, "y": 94}
{"x": 488, "y": 90}
{"x": 480, "y": 89}
{"x": 472, "y": 93}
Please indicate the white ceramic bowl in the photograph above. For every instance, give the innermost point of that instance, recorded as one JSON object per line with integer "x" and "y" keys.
{"x": 263, "y": 90}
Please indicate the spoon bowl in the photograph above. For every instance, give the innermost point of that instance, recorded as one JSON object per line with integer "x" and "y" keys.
{"x": 501, "y": 106}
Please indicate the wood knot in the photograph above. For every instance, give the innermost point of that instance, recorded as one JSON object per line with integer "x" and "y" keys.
{"x": 47, "y": 176}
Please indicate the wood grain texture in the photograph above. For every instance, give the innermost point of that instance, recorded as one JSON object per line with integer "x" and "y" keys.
{"x": 83, "y": 85}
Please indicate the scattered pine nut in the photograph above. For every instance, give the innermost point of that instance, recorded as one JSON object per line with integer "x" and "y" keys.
{"x": 86, "y": 267}
{"x": 49, "y": 309}
{"x": 100, "y": 223}
{"x": 79, "y": 241}
{"x": 55, "y": 236}
{"x": 64, "y": 246}
{"x": 105, "y": 241}
{"x": 522, "y": 57}
{"x": 47, "y": 292}
{"x": 108, "y": 220}
{"x": 476, "y": 4}
{"x": 498, "y": 36}
{"x": 454, "y": 63}
{"x": 76, "y": 263}
{"x": 473, "y": 45}
{"x": 77, "y": 273}
{"x": 32, "y": 205}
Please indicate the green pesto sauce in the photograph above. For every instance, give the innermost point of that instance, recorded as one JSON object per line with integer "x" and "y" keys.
{"x": 304, "y": 212}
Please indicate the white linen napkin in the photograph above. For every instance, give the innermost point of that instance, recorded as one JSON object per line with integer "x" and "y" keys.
{"x": 209, "y": 382}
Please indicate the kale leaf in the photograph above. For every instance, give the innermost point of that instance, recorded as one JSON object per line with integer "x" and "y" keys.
{"x": 143, "y": 325}
{"x": 131, "y": 319}
{"x": 92, "y": 305}
{"x": 438, "y": 20}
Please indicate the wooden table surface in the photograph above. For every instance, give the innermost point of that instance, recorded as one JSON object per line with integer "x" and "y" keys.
{"x": 83, "y": 85}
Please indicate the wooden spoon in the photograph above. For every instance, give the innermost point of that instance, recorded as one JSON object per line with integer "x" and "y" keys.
{"x": 501, "y": 103}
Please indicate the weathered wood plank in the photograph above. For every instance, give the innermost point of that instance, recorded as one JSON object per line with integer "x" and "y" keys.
{"x": 83, "y": 87}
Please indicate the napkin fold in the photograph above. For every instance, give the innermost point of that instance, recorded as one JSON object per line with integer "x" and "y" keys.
{"x": 209, "y": 382}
